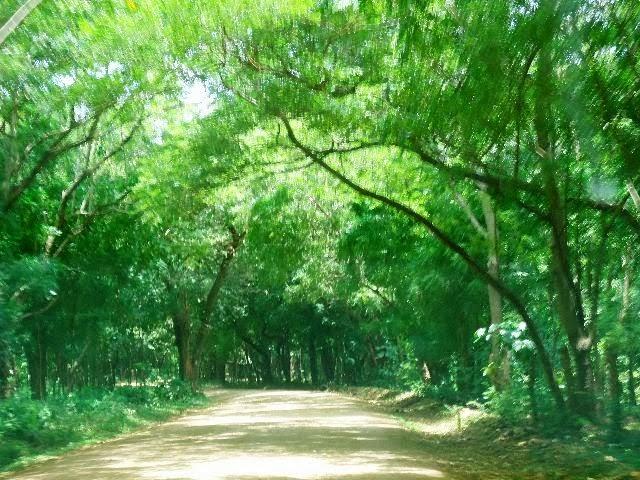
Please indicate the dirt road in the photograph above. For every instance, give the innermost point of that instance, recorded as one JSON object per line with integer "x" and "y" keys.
{"x": 254, "y": 435}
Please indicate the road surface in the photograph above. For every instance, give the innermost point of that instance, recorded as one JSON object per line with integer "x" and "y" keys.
{"x": 257, "y": 435}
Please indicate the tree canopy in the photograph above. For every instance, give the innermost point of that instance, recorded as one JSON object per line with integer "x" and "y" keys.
{"x": 438, "y": 195}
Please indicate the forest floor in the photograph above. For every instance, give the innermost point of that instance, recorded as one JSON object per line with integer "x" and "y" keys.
{"x": 470, "y": 443}
{"x": 277, "y": 434}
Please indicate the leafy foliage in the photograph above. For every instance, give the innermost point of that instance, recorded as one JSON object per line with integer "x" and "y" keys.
{"x": 434, "y": 195}
{"x": 32, "y": 427}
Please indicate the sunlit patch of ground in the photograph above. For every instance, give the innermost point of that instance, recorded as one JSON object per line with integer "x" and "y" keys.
{"x": 259, "y": 435}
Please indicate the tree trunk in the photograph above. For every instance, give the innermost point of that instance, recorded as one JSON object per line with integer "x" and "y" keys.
{"x": 5, "y": 370}
{"x": 297, "y": 367}
{"x": 261, "y": 359}
{"x": 568, "y": 297}
{"x": 266, "y": 370}
{"x": 182, "y": 332}
{"x": 463, "y": 371}
{"x": 498, "y": 369}
{"x": 37, "y": 364}
{"x": 499, "y": 365}
{"x": 212, "y": 297}
{"x": 221, "y": 368}
{"x": 17, "y": 18}
{"x": 449, "y": 243}
{"x": 531, "y": 388}
{"x": 631, "y": 382}
{"x": 624, "y": 314}
{"x": 565, "y": 360}
{"x": 249, "y": 367}
{"x": 328, "y": 362}
{"x": 313, "y": 362}
{"x": 285, "y": 360}
{"x": 71, "y": 371}
{"x": 568, "y": 300}
{"x": 615, "y": 391}
{"x": 595, "y": 291}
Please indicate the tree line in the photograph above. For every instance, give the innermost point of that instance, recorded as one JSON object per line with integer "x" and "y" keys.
{"x": 437, "y": 195}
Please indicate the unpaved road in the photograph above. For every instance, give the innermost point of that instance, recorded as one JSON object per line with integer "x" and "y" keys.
{"x": 254, "y": 435}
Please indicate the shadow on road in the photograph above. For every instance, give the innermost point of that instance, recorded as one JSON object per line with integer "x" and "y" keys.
{"x": 257, "y": 435}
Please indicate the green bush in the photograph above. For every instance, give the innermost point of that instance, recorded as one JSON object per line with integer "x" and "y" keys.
{"x": 511, "y": 406}
{"x": 29, "y": 427}
{"x": 10, "y": 452}
{"x": 174, "y": 390}
{"x": 134, "y": 395}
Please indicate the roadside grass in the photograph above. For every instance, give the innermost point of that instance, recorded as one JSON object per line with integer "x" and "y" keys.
{"x": 33, "y": 430}
{"x": 473, "y": 443}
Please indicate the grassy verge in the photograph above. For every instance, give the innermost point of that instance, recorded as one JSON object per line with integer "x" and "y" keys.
{"x": 32, "y": 429}
{"x": 472, "y": 443}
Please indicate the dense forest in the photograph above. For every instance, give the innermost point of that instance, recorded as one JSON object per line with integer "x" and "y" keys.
{"x": 434, "y": 195}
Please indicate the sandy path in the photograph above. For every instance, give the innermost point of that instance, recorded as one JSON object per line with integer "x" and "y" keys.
{"x": 257, "y": 435}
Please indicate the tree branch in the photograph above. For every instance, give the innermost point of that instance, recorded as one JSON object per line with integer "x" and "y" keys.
{"x": 450, "y": 244}
{"x": 40, "y": 311}
{"x": 214, "y": 291}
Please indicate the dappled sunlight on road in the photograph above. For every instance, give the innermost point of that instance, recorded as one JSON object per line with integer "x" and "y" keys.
{"x": 300, "y": 467}
{"x": 267, "y": 435}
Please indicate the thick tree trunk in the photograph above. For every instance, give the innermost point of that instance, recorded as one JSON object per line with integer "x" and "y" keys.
{"x": 569, "y": 378}
{"x": 191, "y": 347}
{"x": 182, "y": 332}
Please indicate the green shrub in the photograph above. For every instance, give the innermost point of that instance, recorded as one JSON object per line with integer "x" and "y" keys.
{"x": 29, "y": 427}
{"x": 512, "y": 406}
{"x": 174, "y": 390}
{"x": 10, "y": 452}
{"x": 134, "y": 395}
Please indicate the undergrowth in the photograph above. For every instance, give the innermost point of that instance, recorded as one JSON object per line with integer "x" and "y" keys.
{"x": 29, "y": 427}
